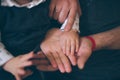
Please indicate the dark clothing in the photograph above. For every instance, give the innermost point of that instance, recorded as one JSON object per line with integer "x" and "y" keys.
{"x": 97, "y": 16}
{"x": 23, "y": 29}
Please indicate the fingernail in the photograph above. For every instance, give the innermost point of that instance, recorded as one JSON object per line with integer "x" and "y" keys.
{"x": 74, "y": 64}
{"x": 54, "y": 65}
{"x": 81, "y": 66}
{"x": 68, "y": 70}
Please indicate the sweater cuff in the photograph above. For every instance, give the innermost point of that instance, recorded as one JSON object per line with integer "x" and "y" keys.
{"x": 4, "y": 55}
{"x": 75, "y": 24}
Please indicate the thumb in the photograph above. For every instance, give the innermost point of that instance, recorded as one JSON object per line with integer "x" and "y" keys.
{"x": 28, "y": 73}
{"x": 80, "y": 63}
{"x": 83, "y": 58}
{"x": 18, "y": 77}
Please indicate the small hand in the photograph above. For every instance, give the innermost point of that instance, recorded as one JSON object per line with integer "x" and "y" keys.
{"x": 69, "y": 42}
{"x": 17, "y": 65}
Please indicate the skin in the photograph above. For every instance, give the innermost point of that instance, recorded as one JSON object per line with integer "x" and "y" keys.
{"x": 55, "y": 55}
{"x": 62, "y": 9}
{"x": 105, "y": 40}
{"x": 69, "y": 42}
{"x": 44, "y": 64}
{"x": 70, "y": 13}
{"x": 16, "y": 65}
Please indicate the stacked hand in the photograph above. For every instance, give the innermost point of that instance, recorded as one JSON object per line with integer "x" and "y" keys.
{"x": 85, "y": 51}
{"x": 62, "y": 9}
{"x": 52, "y": 49}
{"x": 17, "y": 65}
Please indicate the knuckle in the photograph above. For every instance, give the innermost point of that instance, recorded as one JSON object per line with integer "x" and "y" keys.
{"x": 31, "y": 55}
{"x": 21, "y": 72}
{"x": 30, "y": 63}
{"x": 56, "y": 58}
{"x": 47, "y": 51}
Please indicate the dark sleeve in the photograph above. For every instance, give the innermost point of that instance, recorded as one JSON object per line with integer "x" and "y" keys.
{"x": 0, "y": 2}
{"x": 6, "y": 75}
{"x": 2, "y": 17}
{"x": 99, "y": 16}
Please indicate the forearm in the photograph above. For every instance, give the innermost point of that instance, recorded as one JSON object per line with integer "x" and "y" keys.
{"x": 108, "y": 40}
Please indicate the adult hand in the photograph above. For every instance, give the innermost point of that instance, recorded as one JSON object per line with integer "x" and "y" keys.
{"x": 62, "y": 9}
{"x": 85, "y": 50}
{"x": 52, "y": 49}
{"x": 44, "y": 64}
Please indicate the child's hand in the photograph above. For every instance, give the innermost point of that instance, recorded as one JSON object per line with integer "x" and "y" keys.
{"x": 52, "y": 49}
{"x": 16, "y": 65}
{"x": 69, "y": 41}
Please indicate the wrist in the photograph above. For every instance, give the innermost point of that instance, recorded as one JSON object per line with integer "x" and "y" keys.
{"x": 4, "y": 56}
{"x": 92, "y": 40}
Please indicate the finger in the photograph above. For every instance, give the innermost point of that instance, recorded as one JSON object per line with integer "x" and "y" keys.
{"x": 65, "y": 62}
{"x": 24, "y": 73}
{"x": 40, "y": 62}
{"x": 27, "y": 56}
{"x": 55, "y": 15}
{"x": 51, "y": 9}
{"x": 63, "y": 14}
{"x": 77, "y": 44}
{"x": 41, "y": 55}
{"x": 59, "y": 62}
{"x": 28, "y": 73}
{"x": 21, "y": 72}
{"x": 46, "y": 68}
{"x": 18, "y": 77}
{"x": 71, "y": 19}
{"x": 73, "y": 59}
{"x": 82, "y": 59}
{"x": 51, "y": 59}
{"x": 26, "y": 64}
{"x": 63, "y": 44}
{"x": 68, "y": 47}
{"x": 57, "y": 12}
{"x": 72, "y": 47}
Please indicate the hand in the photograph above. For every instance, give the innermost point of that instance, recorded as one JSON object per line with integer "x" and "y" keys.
{"x": 69, "y": 42}
{"x": 44, "y": 64}
{"x": 52, "y": 49}
{"x": 16, "y": 65}
{"x": 62, "y": 9}
{"x": 85, "y": 51}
